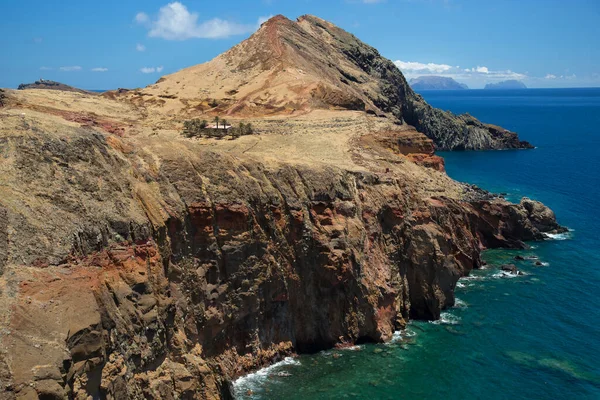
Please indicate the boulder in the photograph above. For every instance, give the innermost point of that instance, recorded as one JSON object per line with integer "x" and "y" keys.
{"x": 510, "y": 268}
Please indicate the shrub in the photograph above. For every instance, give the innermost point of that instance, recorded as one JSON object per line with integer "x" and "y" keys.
{"x": 194, "y": 127}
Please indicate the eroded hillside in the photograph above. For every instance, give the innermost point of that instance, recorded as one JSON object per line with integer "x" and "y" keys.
{"x": 292, "y": 67}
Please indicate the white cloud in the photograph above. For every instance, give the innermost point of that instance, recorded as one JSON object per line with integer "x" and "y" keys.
{"x": 142, "y": 18}
{"x": 175, "y": 22}
{"x": 481, "y": 70}
{"x": 550, "y": 76}
{"x": 475, "y": 77}
{"x": 151, "y": 70}
{"x": 45, "y": 68}
{"x": 99, "y": 69}
{"x": 412, "y": 66}
{"x": 414, "y": 69}
{"x": 140, "y": 47}
{"x": 71, "y": 68}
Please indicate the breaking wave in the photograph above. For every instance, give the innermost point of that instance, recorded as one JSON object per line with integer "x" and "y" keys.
{"x": 559, "y": 236}
{"x": 254, "y": 381}
{"x": 447, "y": 318}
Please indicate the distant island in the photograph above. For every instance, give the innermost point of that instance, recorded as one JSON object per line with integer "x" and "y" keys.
{"x": 436, "y": 83}
{"x": 51, "y": 85}
{"x": 510, "y": 84}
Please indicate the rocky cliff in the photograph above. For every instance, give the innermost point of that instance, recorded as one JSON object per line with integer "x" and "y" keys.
{"x": 137, "y": 263}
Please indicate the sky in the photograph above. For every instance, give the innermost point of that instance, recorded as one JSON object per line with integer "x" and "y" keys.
{"x": 132, "y": 43}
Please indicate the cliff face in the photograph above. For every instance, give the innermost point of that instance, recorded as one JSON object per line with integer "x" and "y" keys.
{"x": 165, "y": 280}
{"x": 136, "y": 263}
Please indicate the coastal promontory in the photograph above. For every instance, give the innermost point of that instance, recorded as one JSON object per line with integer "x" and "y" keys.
{"x": 139, "y": 260}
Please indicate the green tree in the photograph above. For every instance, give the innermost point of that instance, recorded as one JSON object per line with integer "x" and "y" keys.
{"x": 248, "y": 130}
{"x": 224, "y": 122}
{"x": 217, "y": 121}
{"x": 203, "y": 124}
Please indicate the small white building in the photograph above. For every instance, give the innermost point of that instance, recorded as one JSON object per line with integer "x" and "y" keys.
{"x": 214, "y": 126}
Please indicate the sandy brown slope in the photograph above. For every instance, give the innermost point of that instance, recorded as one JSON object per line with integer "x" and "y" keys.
{"x": 136, "y": 263}
{"x": 292, "y": 67}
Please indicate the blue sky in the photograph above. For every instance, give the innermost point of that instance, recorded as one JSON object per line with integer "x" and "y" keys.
{"x": 118, "y": 43}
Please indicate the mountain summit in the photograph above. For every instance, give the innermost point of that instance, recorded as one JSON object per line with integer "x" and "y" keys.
{"x": 293, "y": 67}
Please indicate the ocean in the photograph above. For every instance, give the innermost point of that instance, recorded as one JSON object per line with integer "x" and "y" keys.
{"x": 535, "y": 336}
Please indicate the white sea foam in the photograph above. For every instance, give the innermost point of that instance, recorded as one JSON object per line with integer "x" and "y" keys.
{"x": 352, "y": 348}
{"x": 256, "y": 379}
{"x": 506, "y": 274}
{"x": 559, "y": 236}
{"x": 397, "y": 336}
{"x": 472, "y": 278}
{"x": 458, "y": 303}
{"x": 459, "y": 284}
{"x": 447, "y": 318}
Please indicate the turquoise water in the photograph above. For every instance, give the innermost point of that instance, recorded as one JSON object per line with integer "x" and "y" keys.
{"x": 536, "y": 336}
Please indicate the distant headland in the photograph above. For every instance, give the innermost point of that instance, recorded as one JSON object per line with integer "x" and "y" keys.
{"x": 510, "y": 84}
{"x": 51, "y": 85}
{"x": 433, "y": 82}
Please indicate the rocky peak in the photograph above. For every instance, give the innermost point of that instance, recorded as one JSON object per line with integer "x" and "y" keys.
{"x": 289, "y": 66}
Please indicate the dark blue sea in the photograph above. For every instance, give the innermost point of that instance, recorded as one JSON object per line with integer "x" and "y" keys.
{"x": 535, "y": 336}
